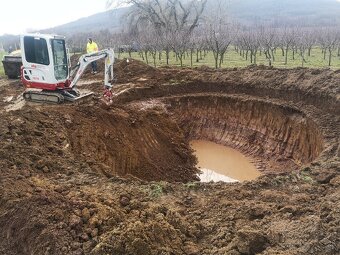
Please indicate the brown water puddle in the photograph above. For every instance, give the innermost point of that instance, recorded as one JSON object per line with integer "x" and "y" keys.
{"x": 221, "y": 163}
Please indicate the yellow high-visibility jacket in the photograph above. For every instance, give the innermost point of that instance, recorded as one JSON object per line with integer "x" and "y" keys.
{"x": 91, "y": 47}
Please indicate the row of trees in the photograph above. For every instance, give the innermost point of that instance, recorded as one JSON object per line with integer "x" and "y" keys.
{"x": 157, "y": 28}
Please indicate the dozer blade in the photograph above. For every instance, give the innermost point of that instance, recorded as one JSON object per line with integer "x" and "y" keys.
{"x": 43, "y": 97}
{"x": 74, "y": 98}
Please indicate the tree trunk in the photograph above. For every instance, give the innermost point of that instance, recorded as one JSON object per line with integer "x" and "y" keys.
{"x": 216, "y": 54}
{"x": 146, "y": 56}
{"x": 197, "y": 58}
{"x": 221, "y": 60}
{"x": 268, "y": 57}
{"x": 286, "y": 56}
{"x": 191, "y": 56}
{"x": 273, "y": 54}
{"x": 330, "y": 56}
{"x": 167, "y": 53}
{"x": 154, "y": 56}
{"x": 181, "y": 59}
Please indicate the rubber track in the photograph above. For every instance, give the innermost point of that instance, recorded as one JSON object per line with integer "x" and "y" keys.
{"x": 43, "y": 97}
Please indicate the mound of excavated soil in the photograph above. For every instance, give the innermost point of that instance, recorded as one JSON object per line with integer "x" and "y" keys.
{"x": 87, "y": 179}
{"x": 146, "y": 145}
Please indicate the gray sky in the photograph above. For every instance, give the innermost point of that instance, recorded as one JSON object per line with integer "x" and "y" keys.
{"x": 17, "y": 16}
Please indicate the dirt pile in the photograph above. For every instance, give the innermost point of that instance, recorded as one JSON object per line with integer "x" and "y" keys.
{"x": 49, "y": 138}
{"x": 62, "y": 189}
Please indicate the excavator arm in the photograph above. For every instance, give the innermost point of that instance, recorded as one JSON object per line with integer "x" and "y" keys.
{"x": 87, "y": 59}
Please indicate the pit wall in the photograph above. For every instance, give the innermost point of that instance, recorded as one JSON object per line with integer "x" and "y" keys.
{"x": 277, "y": 136}
{"x": 147, "y": 145}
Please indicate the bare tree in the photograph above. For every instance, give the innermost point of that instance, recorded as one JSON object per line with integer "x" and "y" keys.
{"x": 328, "y": 40}
{"x": 249, "y": 40}
{"x": 303, "y": 45}
{"x": 287, "y": 38}
{"x": 172, "y": 21}
{"x": 268, "y": 38}
{"x": 170, "y": 15}
{"x": 219, "y": 33}
{"x": 180, "y": 44}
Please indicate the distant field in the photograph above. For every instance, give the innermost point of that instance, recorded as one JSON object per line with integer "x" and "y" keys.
{"x": 233, "y": 59}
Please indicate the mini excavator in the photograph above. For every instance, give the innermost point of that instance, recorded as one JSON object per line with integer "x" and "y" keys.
{"x": 46, "y": 69}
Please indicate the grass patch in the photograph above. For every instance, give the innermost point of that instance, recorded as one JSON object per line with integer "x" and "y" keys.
{"x": 233, "y": 59}
{"x": 156, "y": 190}
{"x": 2, "y": 71}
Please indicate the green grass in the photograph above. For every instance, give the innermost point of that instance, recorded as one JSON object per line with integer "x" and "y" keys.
{"x": 2, "y": 72}
{"x": 233, "y": 59}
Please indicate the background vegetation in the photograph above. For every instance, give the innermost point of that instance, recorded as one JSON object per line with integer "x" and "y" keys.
{"x": 2, "y": 73}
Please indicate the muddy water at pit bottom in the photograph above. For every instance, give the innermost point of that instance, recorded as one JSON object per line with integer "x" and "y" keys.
{"x": 221, "y": 163}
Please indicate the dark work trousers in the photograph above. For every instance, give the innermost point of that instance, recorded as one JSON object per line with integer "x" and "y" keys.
{"x": 94, "y": 66}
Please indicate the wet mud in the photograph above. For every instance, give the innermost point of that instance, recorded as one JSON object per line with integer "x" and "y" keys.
{"x": 218, "y": 162}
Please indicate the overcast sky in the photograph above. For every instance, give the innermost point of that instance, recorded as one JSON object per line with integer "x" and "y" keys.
{"x": 17, "y": 16}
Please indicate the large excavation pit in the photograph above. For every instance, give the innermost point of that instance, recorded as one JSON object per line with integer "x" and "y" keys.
{"x": 274, "y": 137}
{"x": 150, "y": 139}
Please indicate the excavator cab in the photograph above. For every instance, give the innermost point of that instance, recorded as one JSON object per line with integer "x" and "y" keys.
{"x": 44, "y": 60}
{"x": 46, "y": 69}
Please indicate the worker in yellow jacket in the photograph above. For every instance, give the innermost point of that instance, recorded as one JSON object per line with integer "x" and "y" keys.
{"x": 90, "y": 48}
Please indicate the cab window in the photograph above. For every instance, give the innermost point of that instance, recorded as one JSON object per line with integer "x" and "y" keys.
{"x": 36, "y": 50}
{"x": 59, "y": 59}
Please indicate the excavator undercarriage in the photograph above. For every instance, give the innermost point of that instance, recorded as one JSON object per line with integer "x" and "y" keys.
{"x": 46, "y": 69}
{"x": 54, "y": 97}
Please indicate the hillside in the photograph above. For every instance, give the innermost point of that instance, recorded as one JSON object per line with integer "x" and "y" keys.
{"x": 305, "y": 12}
{"x": 110, "y": 20}
{"x": 287, "y": 12}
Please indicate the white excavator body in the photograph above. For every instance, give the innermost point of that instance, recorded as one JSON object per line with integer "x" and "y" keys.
{"x": 46, "y": 70}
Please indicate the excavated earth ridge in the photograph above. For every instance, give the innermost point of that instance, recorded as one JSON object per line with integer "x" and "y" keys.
{"x": 88, "y": 178}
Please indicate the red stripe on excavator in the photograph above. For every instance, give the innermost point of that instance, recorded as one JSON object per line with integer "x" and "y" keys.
{"x": 41, "y": 85}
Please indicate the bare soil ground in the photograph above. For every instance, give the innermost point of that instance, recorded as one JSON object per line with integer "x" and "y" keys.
{"x": 87, "y": 178}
